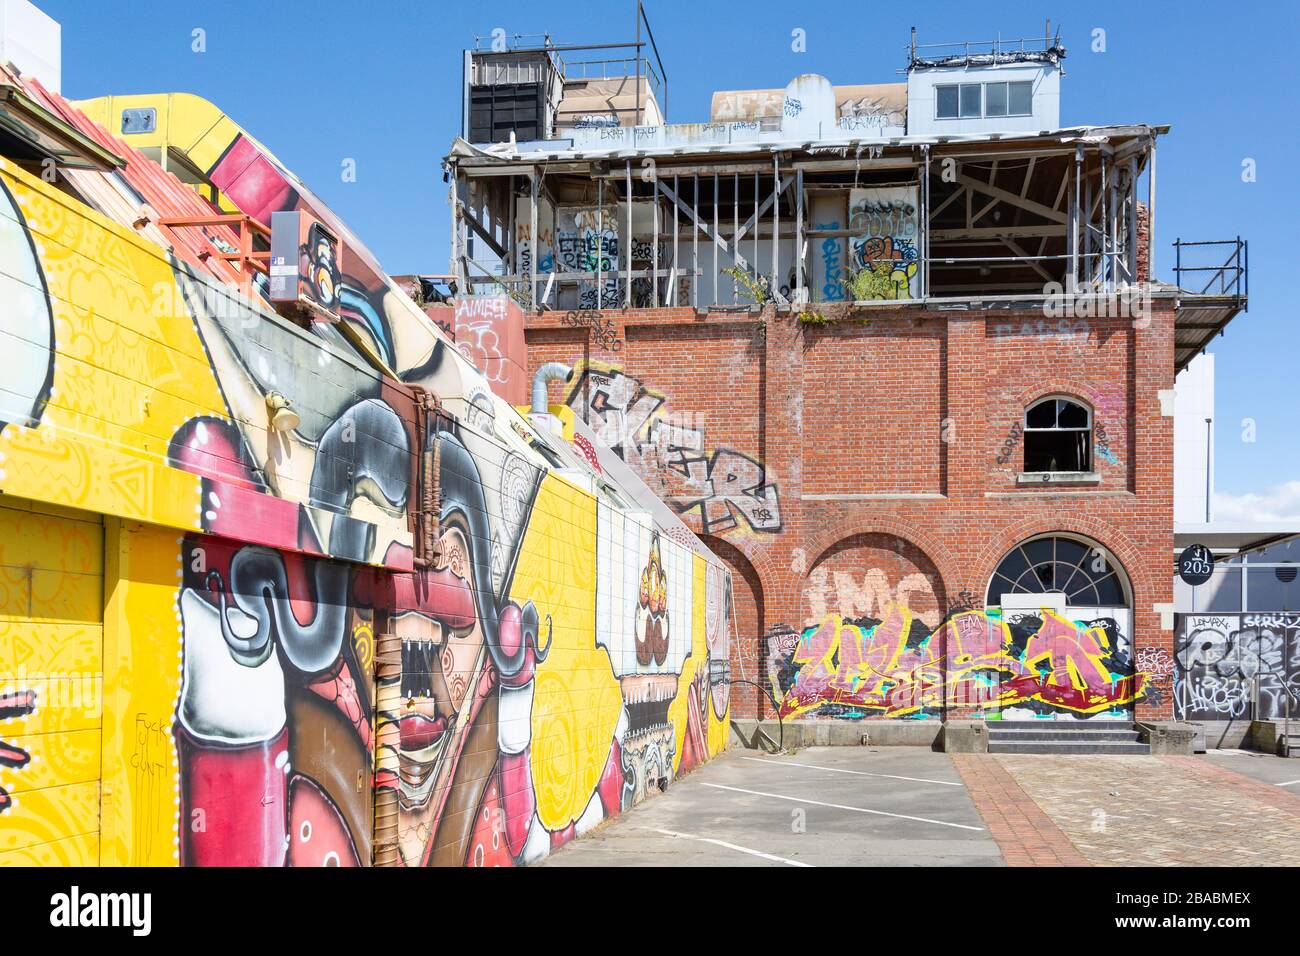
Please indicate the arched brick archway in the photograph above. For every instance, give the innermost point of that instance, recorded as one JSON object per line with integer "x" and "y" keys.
{"x": 821, "y": 543}
{"x": 861, "y": 575}
{"x": 747, "y": 638}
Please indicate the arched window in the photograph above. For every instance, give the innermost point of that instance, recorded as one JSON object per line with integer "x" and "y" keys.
{"x": 1083, "y": 571}
{"x": 1058, "y": 436}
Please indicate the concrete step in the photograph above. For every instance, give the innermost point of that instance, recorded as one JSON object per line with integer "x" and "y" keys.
{"x": 1068, "y": 747}
{"x": 1120, "y": 734}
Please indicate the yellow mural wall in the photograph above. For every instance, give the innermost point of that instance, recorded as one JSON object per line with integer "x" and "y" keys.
{"x": 149, "y": 693}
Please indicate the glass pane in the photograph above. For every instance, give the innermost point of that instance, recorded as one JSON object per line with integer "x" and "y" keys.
{"x": 1070, "y": 415}
{"x": 1221, "y": 594}
{"x": 946, "y": 99}
{"x": 1020, "y": 98}
{"x": 1044, "y": 549}
{"x": 1042, "y": 415}
{"x": 1267, "y": 591}
{"x": 1072, "y": 553}
{"x": 999, "y": 587}
{"x": 1286, "y": 551}
{"x": 1056, "y": 451}
{"x": 1012, "y": 566}
{"x": 1109, "y": 591}
{"x": 970, "y": 100}
{"x": 995, "y": 99}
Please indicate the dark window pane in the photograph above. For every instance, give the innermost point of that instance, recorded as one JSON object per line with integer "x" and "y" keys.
{"x": 970, "y": 100}
{"x": 995, "y": 99}
{"x": 1042, "y": 415}
{"x": 999, "y": 587}
{"x": 1020, "y": 99}
{"x": 1044, "y": 549}
{"x": 1109, "y": 591}
{"x": 1072, "y": 553}
{"x": 1056, "y": 451}
{"x": 1070, "y": 415}
{"x": 946, "y": 102}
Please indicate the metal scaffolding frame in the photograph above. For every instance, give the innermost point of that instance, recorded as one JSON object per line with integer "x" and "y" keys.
{"x": 993, "y": 223}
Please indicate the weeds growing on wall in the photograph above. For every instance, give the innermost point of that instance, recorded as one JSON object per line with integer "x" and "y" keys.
{"x": 750, "y": 286}
{"x": 869, "y": 284}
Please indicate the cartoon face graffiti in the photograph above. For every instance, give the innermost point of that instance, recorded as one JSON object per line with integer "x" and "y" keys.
{"x": 652, "y": 625}
{"x": 26, "y": 322}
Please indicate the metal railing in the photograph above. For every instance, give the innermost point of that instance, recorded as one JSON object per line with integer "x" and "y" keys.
{"x": 615, "y": 68}
{"x": 965, "y": 51}
{"x": 1228, "y": 276}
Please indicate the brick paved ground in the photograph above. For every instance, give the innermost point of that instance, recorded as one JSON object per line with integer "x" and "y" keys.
{"x": 1131, "y": 811}
{"x": 1024, "y": 833}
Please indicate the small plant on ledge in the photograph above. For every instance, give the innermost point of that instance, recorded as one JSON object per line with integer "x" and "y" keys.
{"x": 750, "y": 286}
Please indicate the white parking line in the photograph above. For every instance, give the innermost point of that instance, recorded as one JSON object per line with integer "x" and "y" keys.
{"x": 839, "y": 806}
{"x": 1289, "y": 783}
{"x": 732, "y": 846}
{"x": 860, "y": 773}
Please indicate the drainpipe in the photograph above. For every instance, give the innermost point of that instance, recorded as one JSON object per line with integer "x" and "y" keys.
{"x": 550, "y": 372}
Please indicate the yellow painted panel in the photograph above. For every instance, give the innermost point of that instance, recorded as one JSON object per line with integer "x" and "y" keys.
{"x": 576, "y": 698}
{"x": 43, "y": 816}
{"x": 128, "y": 352}
{"x": 79, "y": 850}
{"x": 142, "y": 660}
{"x": 62, "y": 705}
{"x": 55, "y": 544}
{"x": 41, "y": 649}
{"x": 56, "y": 760}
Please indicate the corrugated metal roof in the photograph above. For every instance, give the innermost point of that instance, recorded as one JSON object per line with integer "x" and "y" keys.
{"x": 160, "y": 194}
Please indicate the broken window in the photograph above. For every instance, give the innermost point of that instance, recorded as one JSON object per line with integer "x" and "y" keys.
{"x": 1058, "y": 436}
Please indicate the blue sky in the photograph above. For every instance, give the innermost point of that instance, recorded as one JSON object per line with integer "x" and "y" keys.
{"x": 379, "y": 83}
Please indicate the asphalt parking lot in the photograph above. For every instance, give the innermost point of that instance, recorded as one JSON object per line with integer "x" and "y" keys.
{"x": 1268, "y": 768}
{"x": 824, "y": 806}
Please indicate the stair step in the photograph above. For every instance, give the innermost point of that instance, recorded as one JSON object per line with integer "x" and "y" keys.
{"x": 1045, "y": 733}
{"x": 1068, "y": 747}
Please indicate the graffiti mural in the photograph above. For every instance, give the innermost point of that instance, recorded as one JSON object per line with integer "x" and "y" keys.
{"x": 885, "y": 251}
{"x": 1236, "y": 666}
{"x": 266, "y": 478}
{"x": 979, "y": 662}
{"x": 720, "y": 487}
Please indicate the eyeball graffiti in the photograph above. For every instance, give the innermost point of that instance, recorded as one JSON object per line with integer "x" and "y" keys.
{"x": 26, "y": 322}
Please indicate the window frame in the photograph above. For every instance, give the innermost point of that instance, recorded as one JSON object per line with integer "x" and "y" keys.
{"x": 1092, "y": 550}
{"x": 984, "y": 99}
{"x": 1026, "y": 429}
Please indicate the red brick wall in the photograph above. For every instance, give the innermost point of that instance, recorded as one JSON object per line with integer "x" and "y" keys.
{"x": 880, "y": 436}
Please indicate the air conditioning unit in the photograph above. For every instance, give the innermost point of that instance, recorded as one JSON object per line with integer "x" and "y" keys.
{"x": 306, "y": 264}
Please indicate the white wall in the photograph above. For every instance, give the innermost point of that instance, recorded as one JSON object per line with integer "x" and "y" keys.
{"x": 30, "y": 40}
{"x": 1193, "y": 404}
{"x": 921, "y": 120}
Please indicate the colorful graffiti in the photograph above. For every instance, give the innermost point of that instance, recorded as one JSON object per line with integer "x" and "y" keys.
{"x": 671, "y": 455}
{"x": 509, "y": 717}
{"x": 884, "y": 254}
{"x": 978, "y": 662}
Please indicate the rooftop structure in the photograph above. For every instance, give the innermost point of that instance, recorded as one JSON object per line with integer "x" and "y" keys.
{"x": 958, "y": 185}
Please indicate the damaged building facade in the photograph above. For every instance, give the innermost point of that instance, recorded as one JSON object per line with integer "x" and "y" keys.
{"x": 896, "y": 352}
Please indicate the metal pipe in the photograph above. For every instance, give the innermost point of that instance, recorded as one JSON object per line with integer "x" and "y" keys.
{"x": 549, "y": 372}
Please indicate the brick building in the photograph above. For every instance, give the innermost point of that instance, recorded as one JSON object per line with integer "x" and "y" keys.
{"x": 893, "y": 351}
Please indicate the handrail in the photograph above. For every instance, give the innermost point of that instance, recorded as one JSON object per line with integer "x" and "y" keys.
{"x": 1232, "y": 276}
